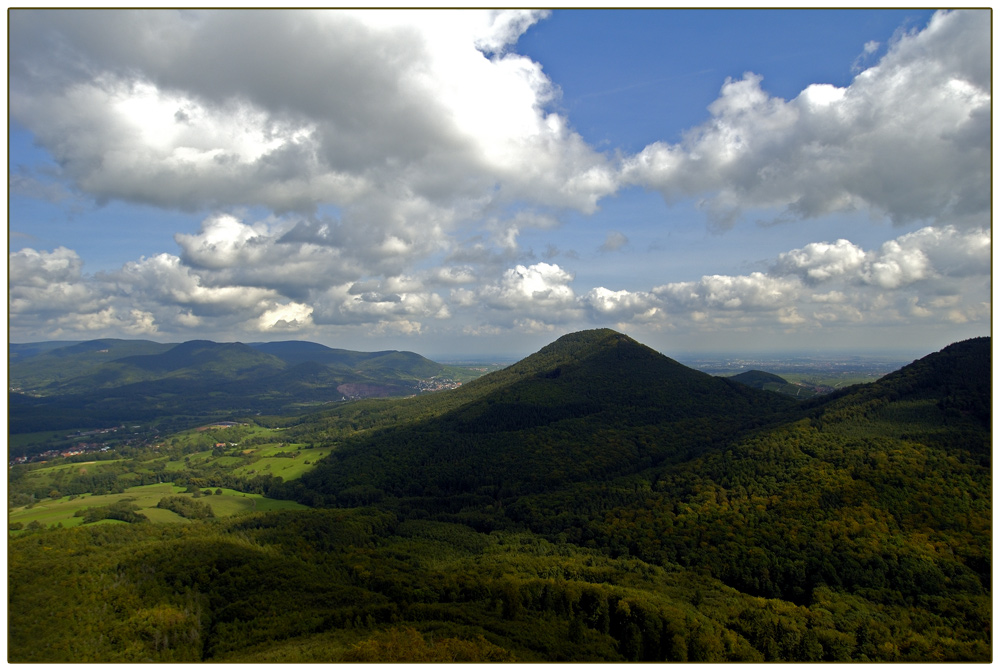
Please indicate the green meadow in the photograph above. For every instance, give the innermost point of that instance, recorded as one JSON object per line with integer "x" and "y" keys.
{"x": 62, "y": 511}
{"x": 209, "y": 465}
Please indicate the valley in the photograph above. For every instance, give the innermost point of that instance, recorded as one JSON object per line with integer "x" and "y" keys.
{"x": 595, "y": 501}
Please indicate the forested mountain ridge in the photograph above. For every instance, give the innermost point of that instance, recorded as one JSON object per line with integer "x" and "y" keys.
{"x": 101, "y": 383}
{"x": 595, "y": 502}
{"x": 406, "y": 364}
{"x": 957, "y": 379}
{"x": 860, "y": 496}
{"x": 22, "y": 350}
{"x": 36, "y": 366}
{"x": 203, "y": 357}
{"x": 108, "y": 362}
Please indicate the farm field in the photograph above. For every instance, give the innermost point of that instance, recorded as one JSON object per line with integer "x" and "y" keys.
{"x": 209, "y": 466}
{"x": 63, "y": 511}
{"x": 288, "y": 467}
{"x": 288, "y": 461}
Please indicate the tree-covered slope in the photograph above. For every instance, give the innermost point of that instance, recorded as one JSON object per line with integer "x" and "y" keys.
{"x": 856, "y": 497}
{"x": 880, "y": 496}
{"x": 607, "y": 372}
{"x": 758, "y": 379}
{"x": 297, "y": 351}
{"x": 38, "y": 367}
{"x": 204, "y": 357}
{"x": 357, "y": 586}
{"x": 381, "y": 364}
{"x": 956, "y": 380}
{"x": 17, "y": 351}
{"x": 591, "y": 405}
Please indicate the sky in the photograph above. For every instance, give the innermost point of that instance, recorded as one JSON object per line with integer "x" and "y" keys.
{"x": 466, "y": 183}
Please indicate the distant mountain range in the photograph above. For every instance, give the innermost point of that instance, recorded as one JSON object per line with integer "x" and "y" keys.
{"x": 97, "y": 382}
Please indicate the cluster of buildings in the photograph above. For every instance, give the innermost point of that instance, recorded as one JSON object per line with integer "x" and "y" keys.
{"x": 437, "y": 384}
{"x": 79, "y": 448}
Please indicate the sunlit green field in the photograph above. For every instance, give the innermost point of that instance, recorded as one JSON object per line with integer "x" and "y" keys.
{"x": 287, "y": 461}
{"x": 288, "y": 468}
{"x": 73, "y": 467}
{"x": 41, "y": 491}
{"x": 53, "y": 512}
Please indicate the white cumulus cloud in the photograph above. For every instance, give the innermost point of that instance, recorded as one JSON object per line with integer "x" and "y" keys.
{"x": 756, "y": 291}
{"x": 401, "y": 159}
{"x": 820, "y": 261}
{"x": 410, "y": 121}
{"x": 622, "y": 306}
{"x": 535, "y": 288}
{"x": 908, "y": 139}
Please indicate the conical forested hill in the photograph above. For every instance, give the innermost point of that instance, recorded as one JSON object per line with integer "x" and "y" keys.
{"x": 594, "y": 404}
{"x": 643, "y": 456}
{"x": 604, "y": 373}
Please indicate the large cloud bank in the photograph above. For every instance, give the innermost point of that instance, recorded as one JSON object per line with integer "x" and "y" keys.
{"x": 933, "y": 275}
{"x": 401, "y": 154}
{"x": 397, "y": 116}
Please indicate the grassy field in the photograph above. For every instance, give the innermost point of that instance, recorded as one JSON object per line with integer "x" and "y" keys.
{"x": 53, "y": 512}
{"x": 72, "y": 467}
{"x": 288, "y": 467}
{"x": 39, "y": 492}
{"x": 288, "y": 461}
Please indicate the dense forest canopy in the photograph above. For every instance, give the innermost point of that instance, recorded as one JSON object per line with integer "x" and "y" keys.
{"x": 596, "y": 501}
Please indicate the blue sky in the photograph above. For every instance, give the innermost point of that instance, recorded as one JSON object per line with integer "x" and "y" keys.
{"x": 466, "y": 183}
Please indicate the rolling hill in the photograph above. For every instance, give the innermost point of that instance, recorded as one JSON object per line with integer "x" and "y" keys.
{"x": 759, "y": 379}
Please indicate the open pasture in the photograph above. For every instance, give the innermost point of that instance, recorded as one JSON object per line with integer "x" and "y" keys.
{"x": 289, "y": 467}
{"x": 62, "y": 511}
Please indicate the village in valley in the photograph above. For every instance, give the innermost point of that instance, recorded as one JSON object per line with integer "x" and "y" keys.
{"x": 84, "y": 447}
